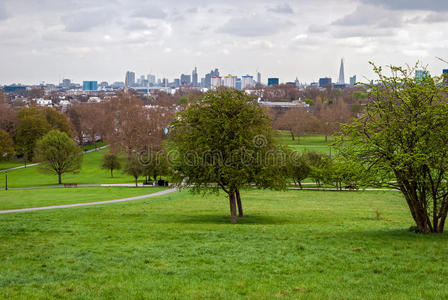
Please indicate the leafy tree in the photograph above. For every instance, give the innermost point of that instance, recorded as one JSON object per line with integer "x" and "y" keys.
{"x": 134, "y": 167}
{"x": 339, "y": 172}
{"x": 6, "y": 146}
{"x": 318, "y": 163}
{"x": 298, "y": 169}
{"x": 57, "y": 120}
{"x": 225, "y": 141}
{"x": 402, "y": 141}
{"x": 32, "y": 125}
{"x": 111, "y": 162}
{"x": 59, "y": 154}
{"x": 155, "y": 164}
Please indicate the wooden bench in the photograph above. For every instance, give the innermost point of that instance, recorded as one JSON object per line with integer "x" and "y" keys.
{"x": 68, "y": 185}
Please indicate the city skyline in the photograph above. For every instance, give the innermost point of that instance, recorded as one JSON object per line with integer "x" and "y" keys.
{"x": 287, "y": 39}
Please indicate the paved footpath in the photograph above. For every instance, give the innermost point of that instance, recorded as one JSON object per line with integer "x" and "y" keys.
{"x": 90, "y": 203}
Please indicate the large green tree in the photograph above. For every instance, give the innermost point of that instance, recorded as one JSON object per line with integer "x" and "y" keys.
{"x": 225, "y": 141}
{"x": 402, "y": 141}
{"x": 59, "y": 154}
{"x": 111, "y": 162}
{"x": 6, "y": 146}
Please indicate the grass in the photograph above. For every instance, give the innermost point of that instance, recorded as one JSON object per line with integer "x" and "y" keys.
{"x": 45, "y": 197}
{"x": 295, "y": 244}
{"x": 90, "y": 173}
{"x": 307, "y": 143}
{"x": 11, "y": 163}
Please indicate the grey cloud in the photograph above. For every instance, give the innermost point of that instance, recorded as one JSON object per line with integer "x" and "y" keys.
{"x": 317, "y": 28}
{"x": 282, "y": 9}
{"x": 430, "y": 5}
{"x": 372, "y": 16}
{"x": 86, "y": 20}
{"x": 252, "y": 26}
{"x": 3, "y": 13}
{"x": 436, "y": 18}
{"x": 150, "y": 12}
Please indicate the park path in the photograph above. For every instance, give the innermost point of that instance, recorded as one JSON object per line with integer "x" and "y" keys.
{"x": 35, "y": 164}
{"x": 90, "y": 203}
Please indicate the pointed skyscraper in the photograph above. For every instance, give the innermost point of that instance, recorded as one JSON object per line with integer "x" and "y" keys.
{"x": 341, "y": 79}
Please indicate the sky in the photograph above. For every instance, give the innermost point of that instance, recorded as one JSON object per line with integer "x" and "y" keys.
{"x": 47, "y": 40}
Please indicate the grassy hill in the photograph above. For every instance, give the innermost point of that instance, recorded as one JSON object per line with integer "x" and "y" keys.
{"x": 295, "y": 244}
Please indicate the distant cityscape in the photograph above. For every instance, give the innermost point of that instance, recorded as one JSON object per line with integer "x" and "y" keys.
{"x": 146, "y": 84}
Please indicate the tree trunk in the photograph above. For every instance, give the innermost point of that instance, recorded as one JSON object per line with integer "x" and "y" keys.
{"x": 292, "y": 134}
{"x": 232, "y": 206}
{"x": 238, "y": 201}
{"x": 300, "y": 184}
{"x": 298, "y": 140}
{"x": 326, "y": 138}
{"x": 60, "y": 179}
{"x": 112, "y": 173}
{"x": 136, "y": 180}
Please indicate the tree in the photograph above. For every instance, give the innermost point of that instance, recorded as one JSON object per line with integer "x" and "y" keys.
{"x": 402, "y": 141}
{"x": 298, "y": 169}
{"x": 57, "y": 120}
{"x": 111, "y": 162}
{"x": 225, "y": 141}
{"x": 134, "y": 167}
{"x": 6, "y": 146}
{"x": 59, "y": 154}
{"x": 318, "y": 164}
{"x": 32, "y": 125}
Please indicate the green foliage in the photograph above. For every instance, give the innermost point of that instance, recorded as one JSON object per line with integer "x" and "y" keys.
{"x": 32, "y": 126}
{"x": 111, "y": 162}
{"x": 341, "y": 172}
{"x": 58, "y": 153}
{"x": 155, "y": 164}
{"x": 57, "y": 120}
{"x": 318, "y": 164}
{"x": 134, "y": 167}
{"x": 402, "y": 141}
{"x": 310, "y": 102}
{"x": 225, "y": 141}
{"x": 6, "y": 146}
{"x": 298, "y": 168}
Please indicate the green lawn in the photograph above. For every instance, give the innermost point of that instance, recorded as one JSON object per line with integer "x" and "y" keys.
{"x": 307, "y": 143}
{"x": 45, "y": 197}
{"x": 295, "y": 244}
{"x": 11, "y": 164}
{"x": 90, "y": 173}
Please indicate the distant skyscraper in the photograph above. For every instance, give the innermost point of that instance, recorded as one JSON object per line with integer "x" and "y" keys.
{"x": 215, "y": 82}
{"x": 66, "y": 83}
{"x": 230, "y": 81}
{"x": 247, "y": 82}
{"x": 194, "y": 77}
{"x": 258, "y": 77}
{"x": 353, "y": 80}
{"x": 130, "y": 79}
{"x": 341, "y": 79}
{"x": 185, "y": 79}
{"x": 325, "y": 82}
{"x": 273, "y": 81}
{"x": 238, "y": 83}
{"x": 208, "y": 77}
{"x": 90, "y": 85}
{"x": 151, "y": 79}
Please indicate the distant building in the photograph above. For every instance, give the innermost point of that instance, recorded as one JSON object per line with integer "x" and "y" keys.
{"x": 273, "y": 81}
{"x": 66, "y": 83}
{"x": 208, "y": 78}
{"x": 90, "y": 86}
{"x": 238, "y": 83}
{"x": 325, "y": 82}
{"x": 445, "y": 76}
{"x": 215, "y": 82}
{"x": 194, "y": 77}
{"x": 230, "y": 81}
{"x": 176, "y": 82}
{"x": 247, "y": 82}
{"x": 130, "y": 79}
{"x": 341, "y": 79}
{"x": 118, "y": 85}
{"x": 258, "y": 77}
{"x": 151, "y": 79}
{"x": 353, "y": 80}
{"x": 185, "y": 79}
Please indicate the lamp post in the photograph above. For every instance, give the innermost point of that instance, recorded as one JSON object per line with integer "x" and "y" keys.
{"x": 6, "y": 180}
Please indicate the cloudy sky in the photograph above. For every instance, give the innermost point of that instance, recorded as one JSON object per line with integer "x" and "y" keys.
{"x": 47, "y": 40}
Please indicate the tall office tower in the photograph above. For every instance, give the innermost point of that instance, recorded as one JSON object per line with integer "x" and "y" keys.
{"x": 353, "y": 80}
{"x": 258, "y": 77}
{"x": 247, "y": 82}
{"x": 230, "y": 81}
{"x": 194, "y": 77}
{"x": 341, "y": 79}
{"x": 273, "y": 81}
{"x": 130, "y": 79}
{"x": 185, "y": 79}
{"x": 151, "y": 79}
{"x": 208, "y": 77}
{"x": 215, "y": 82}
